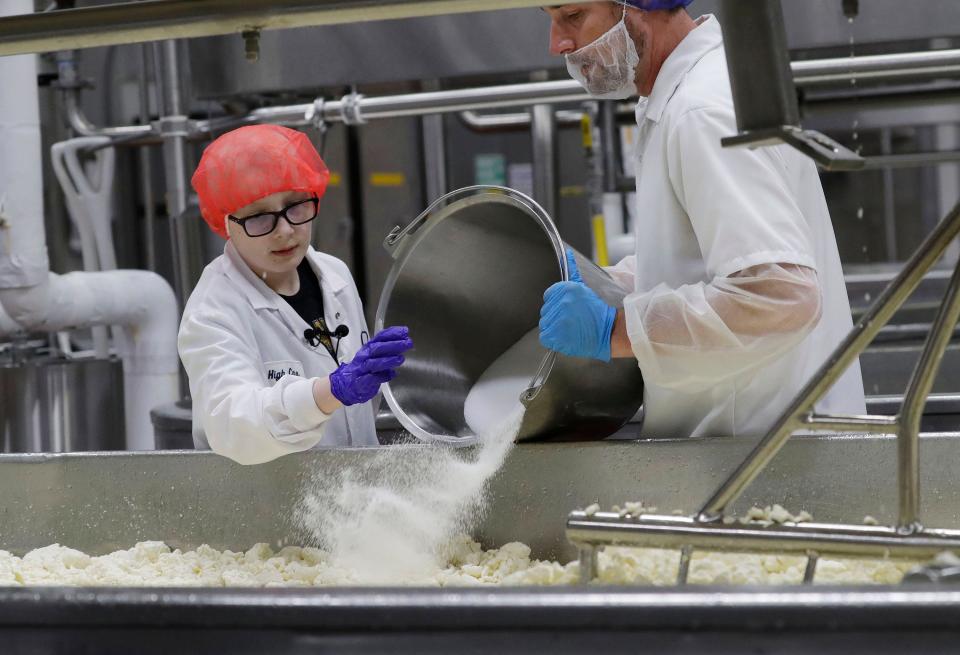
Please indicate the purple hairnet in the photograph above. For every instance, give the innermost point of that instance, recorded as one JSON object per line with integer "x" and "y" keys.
{"x": 654, "y": 5}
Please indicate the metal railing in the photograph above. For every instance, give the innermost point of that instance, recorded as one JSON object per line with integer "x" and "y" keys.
{"x": 707, "y": 530}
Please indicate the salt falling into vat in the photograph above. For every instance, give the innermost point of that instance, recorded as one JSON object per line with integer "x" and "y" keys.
{"x": 389, "y": 521}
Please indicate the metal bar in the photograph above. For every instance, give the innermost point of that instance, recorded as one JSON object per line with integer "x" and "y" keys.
{"x": 428, "y": 102}
{"x": 494, "y": 122}
{"x": 455, "y": 100}
{"x": 175, "y": 179}
{"x": 544, "y": 133}
{"x": 912, "y": 160}
{"x": 155, "y": 20}
{"x": 906, "y": 66}
{"x": 869, "y": 424}
{"x": 588, "y": 563}
{"x": 811, "y": 570}
{"x": 355, "y": 181}
{"x": 434, "y": 156}
{"x": 915, "y": 397}
{"x": 661, "y": 531}
{"x": 889, "y": 198}
{"x": 755, "y": 40}
{"x": 146, "y": 169}
{"x": 683, "y": 570}
{"x": 859, "y": 338}
{"x": 610, "y": 147}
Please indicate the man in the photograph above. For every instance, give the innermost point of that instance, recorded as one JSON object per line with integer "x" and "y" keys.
{"x": 736, "y": 292}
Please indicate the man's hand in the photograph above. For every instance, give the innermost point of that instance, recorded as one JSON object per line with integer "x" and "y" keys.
{"x": 574, "y": 320}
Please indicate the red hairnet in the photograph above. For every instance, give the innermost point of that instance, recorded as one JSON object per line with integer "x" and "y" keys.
{"x": 250, "y": 163}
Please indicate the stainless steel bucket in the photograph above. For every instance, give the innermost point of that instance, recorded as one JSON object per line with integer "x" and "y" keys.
{"x": 53, "y": 405}
{"x": 468, "y": 279}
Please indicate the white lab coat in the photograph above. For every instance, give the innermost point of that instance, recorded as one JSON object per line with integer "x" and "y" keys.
{"x": 251, "y": 370}
{"x": 704, "y": 215}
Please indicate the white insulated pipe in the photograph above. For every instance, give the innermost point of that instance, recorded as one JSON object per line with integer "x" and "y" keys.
{"x": 34, "y": 299}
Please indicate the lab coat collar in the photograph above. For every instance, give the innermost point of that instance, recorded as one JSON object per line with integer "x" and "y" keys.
{"x": 706, "y": 37}
{"x": 260, "y": 295}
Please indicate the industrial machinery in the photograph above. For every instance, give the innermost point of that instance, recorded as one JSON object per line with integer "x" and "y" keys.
{"x": 192, "y": 498}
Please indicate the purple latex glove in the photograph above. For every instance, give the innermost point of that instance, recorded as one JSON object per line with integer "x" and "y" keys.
{"x": 376, "y": 362}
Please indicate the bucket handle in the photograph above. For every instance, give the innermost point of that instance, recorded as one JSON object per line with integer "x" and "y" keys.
{"x": 536, "y": 384}
{"x": 397, "y": 234}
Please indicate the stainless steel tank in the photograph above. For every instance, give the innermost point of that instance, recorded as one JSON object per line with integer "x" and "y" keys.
{"x": 468, "y": 279}
{"x": 54, "y": 405}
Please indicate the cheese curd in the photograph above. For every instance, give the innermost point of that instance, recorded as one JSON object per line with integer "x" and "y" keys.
{"x": 154, "y": 564}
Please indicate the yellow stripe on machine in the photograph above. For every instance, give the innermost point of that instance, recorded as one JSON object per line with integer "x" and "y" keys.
{"x": 387, "y": 179}
{"x": 600, "y": 240}
{"x": 586, "y": 131}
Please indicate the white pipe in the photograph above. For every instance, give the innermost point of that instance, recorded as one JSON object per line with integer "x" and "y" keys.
{"x": 78, "y": 192}
{"x": 33, "y": 299}
{"x": 146, "y": 306}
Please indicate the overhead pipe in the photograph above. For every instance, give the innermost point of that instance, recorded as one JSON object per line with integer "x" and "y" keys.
{"x": 356, "y": 109}
{"x": 907, "y": 66}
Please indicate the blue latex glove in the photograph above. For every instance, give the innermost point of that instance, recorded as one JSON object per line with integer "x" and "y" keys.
{"x": 359, "y": 380}
{"x": 574, "y": 320}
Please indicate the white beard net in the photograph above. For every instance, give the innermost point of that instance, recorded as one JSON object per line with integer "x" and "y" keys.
{"x": 607, "y": 67}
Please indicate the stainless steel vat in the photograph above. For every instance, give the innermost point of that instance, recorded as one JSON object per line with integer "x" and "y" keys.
{"x": 102, "y": 502}
{"x": 56, "y": 405}
{"x": 468, "y": 279}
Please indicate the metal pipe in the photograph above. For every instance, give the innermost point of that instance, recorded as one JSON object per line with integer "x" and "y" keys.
{"x": 518, "y": 120}
{"x": 658, "y": 531}
{"x": 434, "y": 156}
{"x": 915, "y": 397}
{"x": 544, "y": 133}
{"x": 358, "y": 109}
{"x": 175, "y": 176}
{"x": 156, "y": 20}
{"x": 492, "y": 97}
{"x": 361, "y": 109}
{"x": 904, "y": 66}
{"x": 146, "y": 168}
{"x": 859, "y": 338}
{"x": 889, "y": 198}
{"x": 610, "y": 147}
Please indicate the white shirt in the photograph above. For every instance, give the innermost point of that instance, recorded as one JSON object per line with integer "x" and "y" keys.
{"x": 704, "y": 213}
{"x": 251, "y": 370}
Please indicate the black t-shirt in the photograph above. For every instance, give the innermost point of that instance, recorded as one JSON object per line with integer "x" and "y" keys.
{"x": 308, "y": 303}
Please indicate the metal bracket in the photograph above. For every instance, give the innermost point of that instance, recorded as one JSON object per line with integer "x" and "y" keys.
{"x": 316, "y": 116}
{"x": 350, "y": 109}
{"x": 174, "y": 126}
{"x": 827, "y": 153}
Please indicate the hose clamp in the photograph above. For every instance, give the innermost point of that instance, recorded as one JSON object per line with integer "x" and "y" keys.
{"x": 350, "y": 109}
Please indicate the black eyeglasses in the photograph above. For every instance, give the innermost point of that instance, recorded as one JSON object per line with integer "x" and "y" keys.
{"x": 260, "y": 225}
